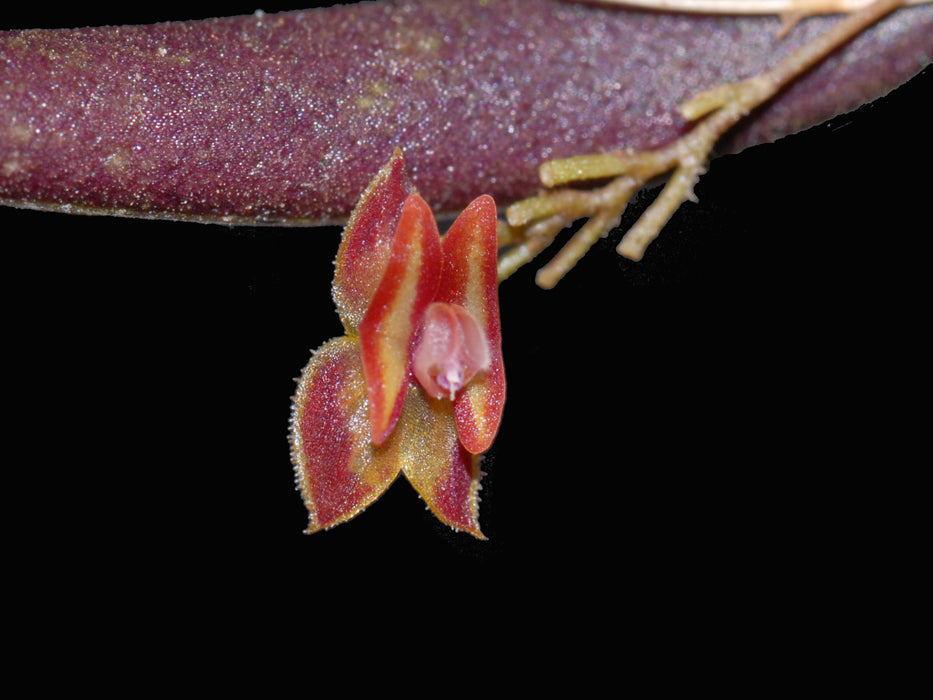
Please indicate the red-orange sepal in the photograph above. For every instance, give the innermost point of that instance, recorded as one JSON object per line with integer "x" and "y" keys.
{"x": 470, "y": 280}
{"x": 367, "y": 241}
{"x": 435, "y": 462}
{"x": 387, "y": 330}
{"x": 337, "y": 469}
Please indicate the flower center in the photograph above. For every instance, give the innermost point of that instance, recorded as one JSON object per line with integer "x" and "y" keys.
{"x": 452, "y": 349}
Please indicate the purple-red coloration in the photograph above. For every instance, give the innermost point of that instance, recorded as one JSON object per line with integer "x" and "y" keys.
{"x": 285, "y": 118}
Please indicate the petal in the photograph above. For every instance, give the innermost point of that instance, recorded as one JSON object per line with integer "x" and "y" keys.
{"x": 444, "y": 474}
{"x": 337, "y": 469}
{"x": 450, "y": 351}
{"x": 388, "y": 328}
{"x": 367, "y": 241}
{"x": 470, "y": 279}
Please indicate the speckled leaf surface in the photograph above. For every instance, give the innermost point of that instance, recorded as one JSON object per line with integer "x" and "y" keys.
{"x": 285, "y": 118}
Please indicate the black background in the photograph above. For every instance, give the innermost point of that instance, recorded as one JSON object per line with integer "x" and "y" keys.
{"x": 672, "y": 416}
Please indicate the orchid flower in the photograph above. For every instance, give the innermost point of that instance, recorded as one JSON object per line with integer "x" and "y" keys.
{"x": 416, "y": 385}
